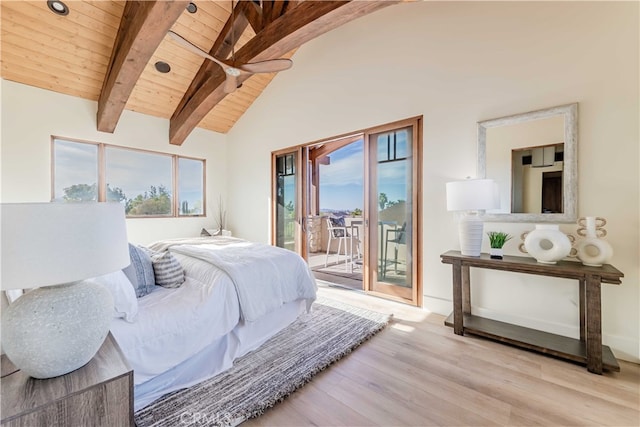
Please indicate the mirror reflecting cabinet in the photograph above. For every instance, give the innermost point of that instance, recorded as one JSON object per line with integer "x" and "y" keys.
{"x": 533, "y": 158}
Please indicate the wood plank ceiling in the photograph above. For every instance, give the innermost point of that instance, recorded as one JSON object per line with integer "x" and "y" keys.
{"x": 74, "y": 54}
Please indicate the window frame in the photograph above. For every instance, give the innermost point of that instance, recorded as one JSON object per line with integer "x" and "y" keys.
{"x": 102, "y": 184}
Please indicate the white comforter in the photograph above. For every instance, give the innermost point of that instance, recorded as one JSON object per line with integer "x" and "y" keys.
{"x": 175, "y": 325}
{"x": 265, "y": 277}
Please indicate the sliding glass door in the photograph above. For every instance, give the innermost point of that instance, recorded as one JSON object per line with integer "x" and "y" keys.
{"x": 393, "y": 211}
{"x": 377, "y": 246}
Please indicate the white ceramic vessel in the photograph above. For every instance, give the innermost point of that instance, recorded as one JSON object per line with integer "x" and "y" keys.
{"x": 592, "y": 250}
{"x": 547, "y": 244}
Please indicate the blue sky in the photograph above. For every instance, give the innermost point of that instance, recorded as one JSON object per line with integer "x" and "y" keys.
{"x": 341, "y": 182}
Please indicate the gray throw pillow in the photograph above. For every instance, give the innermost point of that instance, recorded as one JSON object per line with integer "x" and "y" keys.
{"x": 141, "y": 269}
{"x": 167, "y": 269}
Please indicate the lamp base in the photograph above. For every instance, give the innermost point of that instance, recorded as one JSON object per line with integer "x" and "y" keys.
{"x": 470, "y": 233}
{"x": 54, "y": 330}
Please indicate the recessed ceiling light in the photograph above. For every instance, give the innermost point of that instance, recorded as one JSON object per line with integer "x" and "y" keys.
{"x": 57, "y": 7}
{"x": 192, "y": 8}
{"x": 162, "y": 67}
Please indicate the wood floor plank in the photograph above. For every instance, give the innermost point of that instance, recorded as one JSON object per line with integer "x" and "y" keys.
{"x": 414, "y": 397}
{"x": 449, "y": 391}
{"x": 417, "y": 372}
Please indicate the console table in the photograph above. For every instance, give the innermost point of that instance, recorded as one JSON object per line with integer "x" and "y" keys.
{"x": 588, "y": 350}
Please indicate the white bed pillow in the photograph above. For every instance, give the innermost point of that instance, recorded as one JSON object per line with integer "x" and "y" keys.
{"x": 125, "y": 302}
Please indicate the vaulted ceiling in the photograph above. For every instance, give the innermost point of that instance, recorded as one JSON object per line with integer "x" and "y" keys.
{"x": 107, "y": 51}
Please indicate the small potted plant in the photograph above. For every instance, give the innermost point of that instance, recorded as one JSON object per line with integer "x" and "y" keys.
{"x": 497, "y": 239}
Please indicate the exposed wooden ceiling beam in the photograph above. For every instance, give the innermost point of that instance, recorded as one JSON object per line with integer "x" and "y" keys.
{"x": 143, "y": 26}
{"x": 298, "y": 25}
{"x": 277, "y": 9}
{"x": 253, "y": 12}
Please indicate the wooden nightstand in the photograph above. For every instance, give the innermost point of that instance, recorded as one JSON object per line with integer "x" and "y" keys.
{"x": 98, "y": 394}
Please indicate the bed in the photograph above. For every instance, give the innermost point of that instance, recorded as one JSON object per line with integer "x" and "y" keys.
{"x": 235, "y": 296}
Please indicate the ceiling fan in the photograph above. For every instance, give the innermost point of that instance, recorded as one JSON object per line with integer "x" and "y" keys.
{"x": 231, "y": 69}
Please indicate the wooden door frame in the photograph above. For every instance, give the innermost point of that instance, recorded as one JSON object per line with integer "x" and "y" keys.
{"x": 416, "y": 214}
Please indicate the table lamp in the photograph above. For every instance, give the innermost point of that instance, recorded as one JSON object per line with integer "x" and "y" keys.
{"x": 60, "y": 326}
{"x": 471, "y": 196}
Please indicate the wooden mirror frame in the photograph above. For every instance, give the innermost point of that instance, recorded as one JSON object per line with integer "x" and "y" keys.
{"x": 570, "y": 166}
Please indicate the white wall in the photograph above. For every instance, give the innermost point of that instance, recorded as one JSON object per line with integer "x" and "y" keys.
{"x": 31, "y": 115}
{"x": 459, "y": 63}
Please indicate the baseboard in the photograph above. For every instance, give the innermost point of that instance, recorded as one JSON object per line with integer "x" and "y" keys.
{"x": 623, "y": 348}
{"x": 437, "y": 305}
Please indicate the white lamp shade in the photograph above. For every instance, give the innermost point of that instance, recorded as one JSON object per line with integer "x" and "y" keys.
{"x": 472, "y": 195}
{"x": 53, "y": 243}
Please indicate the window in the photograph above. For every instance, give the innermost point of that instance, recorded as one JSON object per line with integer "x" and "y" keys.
{"x": 190, "y": 186}
{"x": 149, "y": 184}
{"x": 75, "y": 172}
{"x": 392, "y": 146}
{"x": 142, "y": 180}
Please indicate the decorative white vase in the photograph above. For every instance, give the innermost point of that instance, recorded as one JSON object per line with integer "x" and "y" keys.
{"x": 547, "y": 244}
{"x": 592, "y": 250}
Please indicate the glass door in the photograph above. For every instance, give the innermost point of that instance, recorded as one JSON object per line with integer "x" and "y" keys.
{"x": 392, "y": 213}
{"x": 286, "y": 209}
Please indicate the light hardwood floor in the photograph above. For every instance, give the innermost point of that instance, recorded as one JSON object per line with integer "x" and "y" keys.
{"x": 417, "y": 372}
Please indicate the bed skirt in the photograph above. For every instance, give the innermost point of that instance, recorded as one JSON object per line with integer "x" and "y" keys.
{"x": 219, "y": 355}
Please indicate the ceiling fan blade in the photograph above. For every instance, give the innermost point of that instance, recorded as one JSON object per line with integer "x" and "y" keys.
{"x": 268, "y": 66}
{"x": 230, "y": 83}
{"x": 195, "y": 49}
{"x": 232, "y": 72}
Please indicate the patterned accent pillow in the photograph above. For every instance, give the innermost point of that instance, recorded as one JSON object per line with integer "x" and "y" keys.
{"x": 140, "y": 272}
{"x": 168, "y": 270}
{"x": 338, "y": 222}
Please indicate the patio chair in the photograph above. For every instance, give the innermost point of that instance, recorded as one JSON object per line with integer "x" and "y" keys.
{"x": 337, "y": 229}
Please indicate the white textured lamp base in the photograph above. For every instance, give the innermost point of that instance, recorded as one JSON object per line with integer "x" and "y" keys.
{"x": 470, "y": 230}
{"x": 54, "y": 330}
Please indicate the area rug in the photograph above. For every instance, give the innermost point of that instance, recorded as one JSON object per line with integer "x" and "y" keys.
{"x": 266, "y": 376}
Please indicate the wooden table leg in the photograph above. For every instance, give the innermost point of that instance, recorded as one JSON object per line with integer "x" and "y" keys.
{"x": 458, "y": 328}
{"x": 583, "y": 319}
{"x": 594, "y": 332}
{"x": 466, "y": 290}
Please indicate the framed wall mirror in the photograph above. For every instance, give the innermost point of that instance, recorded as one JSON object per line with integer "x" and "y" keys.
{"x": 533, "y": 158}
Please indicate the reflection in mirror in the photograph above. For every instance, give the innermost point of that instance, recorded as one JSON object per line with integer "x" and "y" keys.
{"x": 532, "y": 157}
{"x": 529, "y": 147}
{"x": 536, "y": 176}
